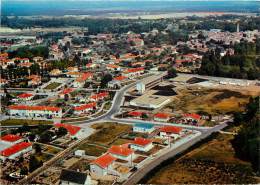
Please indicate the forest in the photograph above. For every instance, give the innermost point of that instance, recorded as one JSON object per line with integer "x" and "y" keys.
{"x": 245, "y": 63}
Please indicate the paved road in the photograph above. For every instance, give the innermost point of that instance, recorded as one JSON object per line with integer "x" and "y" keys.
{"x": 143, "y": 171}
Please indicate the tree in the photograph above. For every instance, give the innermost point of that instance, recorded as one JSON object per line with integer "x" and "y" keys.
{"x": 66, "y": 97}
{"x": 24, "y": 170}
{"x": 246, "y": 142}
{"x": 37, "y": 148}
{"x": 61, "y": 131}
{"x": 105, "y": 79}
{"x": 34, "y": 163}
{"x": 172, "y": 73}
{"x": 46, "y": 136}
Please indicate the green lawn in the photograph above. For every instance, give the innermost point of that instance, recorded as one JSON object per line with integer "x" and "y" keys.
{"x": 52, "y": 85}
{"x": 24, "y": 122}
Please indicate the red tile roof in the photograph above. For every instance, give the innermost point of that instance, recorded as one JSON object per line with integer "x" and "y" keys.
{"x": 72, "y": 129}
{"x": 120, "y": 78}
{"x": 84, "y": 77}
{"x": 15, "y": 148}
{"x": 104, "y": 160}
{"x": 99, "y": 95}
{"x": 120, "y": 150}
{"x": 162, "y": 115}
{"x": 67, "y": 91}
{"x": 25, "y": 95}
{"x": 11, "y": 138}
{"x": 112, "y": 66}
{"x": 135, "y": 113}
{"x": 26, "y": 107}
{"x": 193, "y": 115}
{"x": 133, "y": 70}
{"x": 171, "y": 129}
{"x": 141, "y": 141}
{"x": 85, "y": 106}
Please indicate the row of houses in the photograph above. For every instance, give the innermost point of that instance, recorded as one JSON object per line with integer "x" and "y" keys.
{"x": 163, "y": 117}
{"x": 103, "y": 165}
{"x": 13, "y": 146}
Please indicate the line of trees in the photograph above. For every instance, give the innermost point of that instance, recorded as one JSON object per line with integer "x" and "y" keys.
{"x": 247, "y": 143}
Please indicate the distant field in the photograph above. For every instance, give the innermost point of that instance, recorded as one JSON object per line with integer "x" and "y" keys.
{"x": 108, "y": 132}
{"x": 211, "y": 163}
{"x": 10, "y": 122}
{"x": 52, "y": 86}
{"x": 212, "y": 101}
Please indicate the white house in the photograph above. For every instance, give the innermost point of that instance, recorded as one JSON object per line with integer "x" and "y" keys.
{"x": 143, "y": 128}
{"x": 161, "y": 117}
{"x": 122, "y": 152}
{"x": 15, "y": 150}
{"x": 79, "y": 153}
{"x": 141, "y": 144}
{"x": 25, "y": 96}
{"x": 103, "y": 165}
{"x": 99, "y": 96}
{"x": 11, "y": 139}
{"x": 75, "y": 132}
{"x": 133, "y": 72}
{"x": 35, "y": 111}
{"x": 170, "y": 131}
{"x": 82, "y": 109}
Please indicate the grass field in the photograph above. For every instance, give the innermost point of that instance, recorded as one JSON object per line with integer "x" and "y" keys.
{"x": 24, "y": 122}
{"x": 212, "y": 163}
{"x": 52, "y": 86}
{"x": 212, "y": 101}
{"x": 108, "y": 132}
{"x": 92, "y": 150}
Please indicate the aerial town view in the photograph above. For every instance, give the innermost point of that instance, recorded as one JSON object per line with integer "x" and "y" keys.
{"x": 124, "y": 92}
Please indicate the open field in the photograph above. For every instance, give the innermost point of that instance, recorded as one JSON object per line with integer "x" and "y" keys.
{"x": 212, "y": 101}
{"x": 108, "y": 132}
{"x": 10, "y": 122}
{"x": 212, "y": 163}
{"x": 52, "y": 86}
{"x": 92, "y": 150}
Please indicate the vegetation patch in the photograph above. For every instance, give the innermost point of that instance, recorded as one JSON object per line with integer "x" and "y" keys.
{"x": 213, "y": 162}
{"x": 10, "y": 122}
{"x": 108, "y": 132}
{"x": 52, "y": 86}
{"x": 211, "y": 101}
{"x": 92, "y": 150}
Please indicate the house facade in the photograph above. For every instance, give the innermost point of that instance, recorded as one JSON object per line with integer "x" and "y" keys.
{"x": 35, "y": 111}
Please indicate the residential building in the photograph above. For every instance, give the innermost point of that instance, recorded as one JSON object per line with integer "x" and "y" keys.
{"x": 35, "y": 111}
{"x": 25, "y": 96}
{"x": 143, "y": 128}
{"x": 15, "y": 150}
{"x": 161, "y": 117}
{"x": 121, "y": 152}
{"x": 141, "y": 144}
{"x": 103, "y": 165}
{"x": 11, "y": 139}
{"x": 69, "y": 177}
{"x": 75, "y": 132}
{"x": 83, "y": 109}
{"x": 170, "y": 131}
{"x": 99, "y": 96}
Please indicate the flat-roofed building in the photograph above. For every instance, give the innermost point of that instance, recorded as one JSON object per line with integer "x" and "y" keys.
{"x": 150, "y": 101}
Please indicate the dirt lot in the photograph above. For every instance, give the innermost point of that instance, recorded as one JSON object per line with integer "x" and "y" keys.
{"x": 108, "y": 133}
{"x": 212, "y": 101}
{"x": 211, "y": 163}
